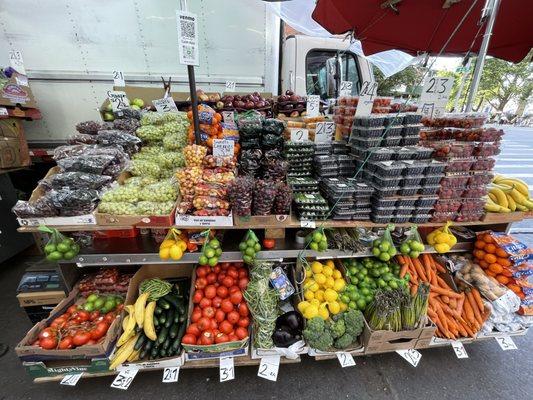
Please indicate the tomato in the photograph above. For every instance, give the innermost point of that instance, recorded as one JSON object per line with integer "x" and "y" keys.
{"x": 233, "y": 317}
{"x": 244, "y": 322}
{"x": 213, "y": 324}
{"x": 221, "y": 277}
{"x": 234, "y": 289}
{"x": 99, "y": 330}
{"x": 188, "y": 339}
{"x": 243, "y": 283}
{"x": 221, "y": 338}
{"x": 58, "y": 322}
{"x": 222, "y": 291}
{"x": 216, "y": 284}
{"x": 81, "y": 337}
{"x": 204, "y": 323}
{"x": 233, "y": 273}
{"x": 196, "y": 308}
{"x": 201, "y": 272}
{"x": 82, "y": 316}
{"x": 243, "y": 309}
{"x": 201, "y": 283}
{"x": 49, "y": 332}
{"x": 193, "y": 329}
{"x": 220, "y": 316}
{"x": 217, "y": 269}
{"x": 215, "y": 302}
{"x": 48, "y": 343}
{"x": 269, "y": 243}
{"x": 228, "y": 281}
{"x": 205, "y": 302}
{"x": 110, "y": 317}
{"x": 196, "y": 315}
{"x": 239, "y": 264}
{"x": 66, "y": 343}
{"x": 210, "y": 291}
{"x": 233, "y": 337}
{"x": 211, "y": 278}
{"x": 241, "y": 332}
{"x": 91, "y": 342}
{"x": 224, "y": 266}
{"x": 35, "y": 342}
{"x": 226, "y": 306}
{"x": 207, "y": 338}
{"x": 197, "y": 296}
{"x": 226, "y": 327}
{"x": 93, "y": 315}
{"x": 72, "y": 309}
{"x": 208, "y": 312}
{"x": 235, "y": 297}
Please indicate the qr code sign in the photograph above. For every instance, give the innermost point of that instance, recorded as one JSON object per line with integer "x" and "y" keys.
{"x": 187, "y": 29}
{"x": 188, "y": 52}
{"x": 187, "y": 38}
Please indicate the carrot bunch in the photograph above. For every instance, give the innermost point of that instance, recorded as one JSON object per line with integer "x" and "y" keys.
{"x": 455, "y": 314}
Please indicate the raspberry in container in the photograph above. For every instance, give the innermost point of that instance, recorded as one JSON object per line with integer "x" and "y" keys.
{"x": 406, "y": 201}
{"x": 435, "y": 167}
{"x": 431, "y": 134}
{"x": 472, "y": 205}
{"x": 348, "y": 111}
{"x": 429, "y": 190}
{"x": 409, "y": 141}
{"x": 382, "y": 101}
{"x": 430, "y": 180}
{"x": 338, "y": 119}
{"x": 451, "y": 149}
{"x": 426, "y": 201}
{"x": 458, "y": 180}
{"x": 387, "y": 168}
{"x": 483, "y": 164}
{"x": 487, "y": 149}
{"x": 420, "y": 218}
{"x": 458, "y": 120}
{"x": 391, "y": 141}
{"x": 474, "y": 191}
{"x": 468, "y": 216}
{"x": 450, "y": 193}
{"x": 412, "y": 130}
{"x": 479, "y": 179}
{"x": 412, "y": 118}
{"x": 449, "y": 205}
{"x": 443, "y": 216}
{"x": 352, "y": 100}
{"x": 380, "y": 110}
{"x": 345, "y": 130}
{"x": 459, "y": 164}
{"x": 370, "y": 120}
{"x": 415, "y": 180}
{"x": 367, "y": 131}
{"x": 414, "y": 167}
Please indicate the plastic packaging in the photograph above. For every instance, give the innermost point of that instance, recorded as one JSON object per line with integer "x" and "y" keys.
{"x": 207, "y": 202}
{"x": 114, "y": 137}
{"x": 240, "y": 194}
{"x": 117, "y": 208}
{"x": 164, "y": 191}
{"x": 41, "y": 207}
{"x": 194, "y": 155}
{"x": 443, "y": 216}
{"x": 188, "y": 178}
{"x": 88, "y": 127}
{"x": 81, "y": 138}
{"x": 446, "y": 206}
{"x": 282, "y": 202}
{"x": 144, "y": 168}
{"x": 129, "y": 125}
{"x": 210, "y": 189}
{"x": 154, "y": 207}
{"x": 70, "y": 202}
{"x": 250, "y": 161}
{"x": 93, "y": 164}
{"x": 264, "y": 195}
{"x": 76, "y": 180}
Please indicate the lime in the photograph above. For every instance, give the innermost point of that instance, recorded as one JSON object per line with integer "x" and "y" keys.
{"x": 352, "y": 270}
{"x": 345, "y": 298}
{"x": 119, "y": 300}
{"x": 89, "y": 306}
{"x": 313, "y": 246}
{"x": 405, "y": 249}
{"x": 351, "y": 288}
{"x": 393, "y": 284}
{"x": 367, "y": 280}
{"x": 407, "y": 277}
{"x": 247, "y": 259}
{"x": 250, "y": 243}
{"x": 414, "y": 254}
{"x": 361, "y": 304}
{"x": 376, "y": 252}
{"x": 354, "y": 280}
{"x": 62, "y": 247}
{"x": 242, "y": 246}
{"x": 110, "y": 304}
{"x": 49, "y": 248}
{"x": 369, "y": 299}
{"x": 322, "y": 245}
{"x": 365, "y": 291}
{"x": 250, "y": 251}
{"x": 392, "y": 251}
{"x": 202, "y": 260}
{"x": 384, "y": 257}
{"x": 376, "y": 243}
{"x": 212, "y": 261}
{"x": 384, "y": 246}
{"x": 54, "y": 256}
{"x": 317, "y": 237}
{"x": 99, "y": 303}
{"x": 214, "y": 243}
{"x": 92, "y": 297}
{"x": 363, "y": 271}
{"x": 353, "y": 296}
{"x": 382, "y": 283}
{"x": 257, "y": 247}
{"x": 352, "y": 304}
{"x": 387, "y": 277}
{"x": 218, "y": 252}
{"x": 69, "y": 255}
{"x": 75, "y": 248}
{"x": 209, "y": 252}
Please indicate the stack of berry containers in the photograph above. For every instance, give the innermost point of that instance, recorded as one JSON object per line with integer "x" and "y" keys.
{"x": 348, "y": 198}
{"x": 468, "y": 149}
{"x": 404, "y": 178}
{"x": 343, "y": 114}
{"x": 299, "y": 156}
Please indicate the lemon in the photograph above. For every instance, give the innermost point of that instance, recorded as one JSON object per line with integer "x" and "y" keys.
{"x": 315, "y": 302}
{"x": 320, "y": 279}
{"x": 175, "y": 252}
{"x": 302, "y": 305}
{"x": 330, "y": 282}
{"x": 441, "y": 238}
{"x": 452, "y": 240}
{"x": 328, "y": 271}
{"x": 431, "y": 238}
{"x": 316, "y": 267}
{"x": 337, "y": 274}
{"x": 182, "y": 245}
{"x": 330, "y": 264}
{"x": 319, "y": 295}
{"x": 339, "y": 285}
{"x": 343, "y": 306}
{"x": 442, "y": 248}
{"x": 314, "y": 287}
{"x": 308, "y": 295}
{"x": 311, "y": 311}
{"x": 167, "y": 243}
{"x": 334, "y": 307}
{"x": 330, "y": 295}
{"x": 164, "y": 253}
{"x": 323, "y": 311}
{"x": 308, "y": 283}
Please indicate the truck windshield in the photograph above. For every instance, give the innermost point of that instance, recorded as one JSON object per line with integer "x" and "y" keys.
{"x": 321, "y": 69}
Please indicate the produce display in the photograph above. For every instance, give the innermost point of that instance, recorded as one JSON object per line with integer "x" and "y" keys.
{"x": 249, "y": 246}
{"x": 290, "y": 105}
{"x": 317, "y": 240}
{"x": 383, "y": 248}
{"x": 211, "y": 251}
{"x": 507, "y": 195}
{"x": 442, "y": 239}
{"x": 242, "y": 103}
{"x": 108, "y": 280}
{"x": 59, "y": 246}
{"x": 173, "y": 246}
{"x": 341, "y": 332}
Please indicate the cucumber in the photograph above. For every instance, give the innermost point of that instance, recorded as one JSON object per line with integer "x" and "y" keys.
{"x": 163, "y": 304}
{"x": 140, "y": 341}
{"x": 146, "y": 349}
{"x": 154, "y": 351}
{"x": 158, "y": 310}
{"x": 172, "y": 299}
{"x": 177, "y": 316}
{"x": 170, "y": 318}
{"x": 166, "y": 344}
{"x": 176, "y": 344}
{"x": 173, "y": 331}
{"x": 163, "y": 319}
{"x": 156, "y": 321}
{"x": 162, "y": 353}
{"x": 182, "y": 309}
{"x": 162, "y": 335}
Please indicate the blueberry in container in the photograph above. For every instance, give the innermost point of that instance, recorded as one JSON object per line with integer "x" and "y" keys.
{"x": 431, "y": 180}
{"x": 414, "y": 167}
{"x": 411, "y": 130}
{"x": 435, "y": 167}
{"x": 361, "y": 189}
{"x": 429, "y": 190}
{"x": 412, "y": 118}
{"x": 386, "y": 181}
{"x": 388, "y": 168}
{"x": 370, "y": 120}
{"x": 423, "y": 153}
{"x": 367, "y": 132}
{"x": 409, "y": 141}
{"x": 419, "y": 218}
{"x": 426, "y": 201}
{"x": 384, "y": 201}
{"x": 405, "y": 153}
{"x": 366, "y": 143}
{"x": 406, "y": 201}
{"x": 401, "y": 219}
{"x": 412, "y": 180}
{"x": 391, "y": 141}
{"x": 361, "y": 217}
{"x": 423, "y": 210}
{"x": 386, "y": 192}
{"x": 381, "y": 219}
{"x": 393, "y": 131}
{"x": 404, "y": 210}
{"x": 408, "y": 190}
{"x": 394, "y": 119}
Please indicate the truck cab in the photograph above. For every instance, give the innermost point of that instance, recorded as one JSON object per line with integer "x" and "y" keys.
{"x": 312, "y": 65}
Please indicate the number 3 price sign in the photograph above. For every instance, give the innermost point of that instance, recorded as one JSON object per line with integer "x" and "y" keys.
{"x": 227, "y": 369}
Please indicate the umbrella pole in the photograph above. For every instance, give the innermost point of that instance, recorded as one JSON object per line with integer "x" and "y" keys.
{"x": 480, "y": 62}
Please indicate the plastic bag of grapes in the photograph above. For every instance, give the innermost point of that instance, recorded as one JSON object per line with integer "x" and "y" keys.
{"x": 140, "y": 167}
{"x": 59, "y": 246}
{"x": 164, "y": 191}
{"x": 117, "y": 208}
{"x": 124, "y": 193}
{"x": 412, "y": 245}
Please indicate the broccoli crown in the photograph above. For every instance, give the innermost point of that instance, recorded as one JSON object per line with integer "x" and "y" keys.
{"x": 337, "y": 328}
{"x": 354, "y": 322}
{"x": 322, "y": 342}
{"x": 344, "y": 341}
{"x": 316, "y": 324}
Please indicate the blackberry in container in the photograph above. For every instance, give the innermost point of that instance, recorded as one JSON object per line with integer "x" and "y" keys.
{"x": 381, "y": 219}
{"x": 393, "y": 131}
{"x": 435, "y": 167}
{"x": 408, "y": 190}
{"x": 384, "y": 201}
{"x": 386, "y": 181}
{"x": 388, "y": 168}
{"x": 394, "y": 119}
{"x": 412, "y": 180}
{"x": 401, "y": 219}
{"x": 370, "y": 120}
{"x": 405, "y": 153}
{"x": 429, "y": 180}
{"x": 366, "y": 132}
{"x": 406, "y": 202}
{"x": 409, "y": 141}
{"x": 386, "y": 192}
{"x": 426, "y": 201}
{"x": 429, "y": 190}
{"x": 412, "y": 118}
{"x": 411, "y": 130}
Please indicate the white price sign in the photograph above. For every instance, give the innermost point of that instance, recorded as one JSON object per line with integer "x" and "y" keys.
{"x": 346, "y": 88}
{"x": 412, "y": 356}
{"x": 118, "y": 100}
{"x": 345, "y": 359}
{"x": 171, "y": 375}
{"x": 230, "y": 86}
{"x": 506, "y": 343}
{"x": 165, "y": 105}
{"x": 227, "y": 369}
{"x": 124, "y": 379}
{"x": 436, "y": 90}
{"x": 228, "y": 116}
{"x": 324, "y": 132}
{"x": 313, "y": 105}
{"x": 223, "y": 148}
{"x": 366, "y": 98}
{"x": 3, "y": 112}
{"x": 118, "y": 79}
{"x": 459, "y": 349}
{"x": 269, "y": 367}
{"x": 187, "y": 37}
{"x": 71, "y": 379}
{"x": 299, "y": 135}
{"x": 308, "y": 224}
{"x": 16, "y": 61}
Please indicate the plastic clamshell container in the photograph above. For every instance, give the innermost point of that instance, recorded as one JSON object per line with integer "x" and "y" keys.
{"x": 381, "y": 219}
{"x": 480, "y": 178}
{"x": 409, "y": 180}
{"x": 370, "y": 120}
{"x": 429, "y": 190}
{"x": 366, "y": 143}
{"x": 469, "y": 216}
{"x": 414, "y": 167}
{"x": 472, "y": 205}
{"x": 385, "y": 202}
{"x": 426, "y": 201}
{"x": 423, "y": 210}
{"x": 459, "y": 164}
{"x": 431, "y": 180}
{"x": 449, "y": 205}
{"x": 391, "y": 181}
{"x": 393, "y": 131}
{"x": 412, "y": 118}
{"x": 419, "y": 218}
{"x": 406, "y": 201}
{"x": 443, "y": 216}
{"x": 450, "y": 192}
{"x": 394, "y": 119}
{"x": 367, "y": 131}
{"x": 435, "y": 167}
{"x": 386, "y": 192}
{"x": 483, "y": 164}
{"x": 409, "y": 141}
{"x": 401, "y": 218}
{"x": 454, "y": 180}
{"x": 388, "y": 168}
{"x": 475, "y": 191}
{"x": 412, "y": 130}
{"x": 423, "y": 152}
{"x": 405, "y": 153}
{"x": 409, "y": 190}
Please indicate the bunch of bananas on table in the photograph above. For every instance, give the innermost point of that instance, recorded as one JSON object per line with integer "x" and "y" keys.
{"x": 508, "y": 195}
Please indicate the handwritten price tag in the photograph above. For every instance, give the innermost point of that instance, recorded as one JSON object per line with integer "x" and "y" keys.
{"x": 506, "y": 343}
{"x": 71, "y": 380}
{"x": 171, "y": 375}
{"x": 299, "y": 135}
{"x": 118, "y": 100}
{"x": 345, "y": 359}
{"x": 411, "y": 356}
{"x": 313, "y": 105}
{"x": 324, "y": 132}
{"x": 436, "y": 90}
{"x": 308, "y": 224}
{"x": 3, "y": 112}
{"x": 366, "y": 98}
{"x": 269, "y": 367}
{"x": 124, "y": 379}
{"x": 165, "y": 105}
{"x": 346, "y": 88}
{"x": 230, "y": 86}
{"x": 118, "y": 79}
{"x": 459, "y": 349}
{"x": 223, "y": 148}
{"x": 227, "y": 369}
{"x": 228, "y": 116}
{"x": 16, "y": 61}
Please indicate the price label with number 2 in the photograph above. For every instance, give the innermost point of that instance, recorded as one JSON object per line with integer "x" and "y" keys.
{"x": 345, "y": 359}
{"x": 171, "y": 375}
{"x": 269, "y": 367}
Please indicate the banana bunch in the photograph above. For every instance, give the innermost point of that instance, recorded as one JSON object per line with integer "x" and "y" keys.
{"x": 508, "y": 195}
{"x": 140, "y": 317}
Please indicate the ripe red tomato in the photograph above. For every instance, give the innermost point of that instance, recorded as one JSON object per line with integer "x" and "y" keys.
{"x": 216, "y": 302}
{"x": 211, "y": 278}
{"x": 222, "y": 292}
{"x": 94, "y": 315}
{"x": 244, "y": 322}
{"x": 243, "y": 309}
{"x": 80, "y": 338}
{"x": 59, "y": 322}
{"x": 208, "y": 312}
{"x": 226, "y": 305}
{"x": 83, "y": 316}
{"x": 201, "y": 283}
{"x": 217, "y": 269}
{"x": 243, "y": 273}
{"x": 233, "y": 337}
{"x": 47, "y": 333}
{"x": 72, "y": 309}
{"x": 224, "y": 266}
{"x": 188, "y": 339}
{"x": 213, "y": 324}
{"x": 110, "y": 317}
{"x": 228, "y": 281}
{"x": 232, "y": 271}
{"x": 196, "y": 315}
{"x": 66, "y": 343}
{"x": 193, "y": 329}
{"x": 239, "y": 264}
{"x": 207, "y": 338}
{"x": 220, "y": 316}
{"x": 225, "y": 327}
{"x": 48, "y": 343}
{"x": 221, "y": 338}
{"x": 204, "y": 323}
{"x": 221, "y": 277}
{"x": 269, "y": 243}
{"x": 243, "y": 283}
{"x": 197, "y": 296}
{"x": 210, "y": 291}
{"x": 241, "y": 332}
{"x": 202, "y": 271}
{"x": 233, "y": 317}
{"x": 234, "y": 288}
{"x": 99, "y": 330}
{"x": 205, "y": 302}
{"x": 235, "y": 297}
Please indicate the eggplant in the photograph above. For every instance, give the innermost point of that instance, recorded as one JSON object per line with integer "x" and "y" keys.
{"x": 284, "y": 338}
{"x": 293, "y": 320}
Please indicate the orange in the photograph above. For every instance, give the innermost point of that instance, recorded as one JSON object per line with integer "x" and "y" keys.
{"x": 479, "y": 244}
{"x": 483, "y": 264}
{"x": 479, "y": 254}
{"x": 490, "y": 258}
{"x": 496, "y": 268}
{"x": 487, "y": 238}
{"x": 501, "y": 253}
{"x": 502, "y": 279}
{"x": 515, "y": 288}
{"x": 506, "y": 272}
{"x": 490, "y": 248}
{"x": 504, "y": 262}
{"x": 490, "y": 273}
{"x": 521, "y": 295}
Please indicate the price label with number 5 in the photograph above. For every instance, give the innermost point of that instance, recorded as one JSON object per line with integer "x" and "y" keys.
{"x": 227, "y": 369}
{"x": 124, "y": 379}
{"x": 411, "y": 356}
{"x": 299, "y": 135}
{"x": 269, "y": 367}
{"x": 313, "y": 105}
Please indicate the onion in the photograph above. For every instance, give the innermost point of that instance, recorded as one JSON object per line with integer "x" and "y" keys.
{"x": 249, "y": 105}
{"x": 294, "y": 98}
{"x": 289, "y": 92}
{"x": 239, "y": 103}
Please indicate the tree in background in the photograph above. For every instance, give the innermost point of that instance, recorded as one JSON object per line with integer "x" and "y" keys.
{"x": 391, "y": 86}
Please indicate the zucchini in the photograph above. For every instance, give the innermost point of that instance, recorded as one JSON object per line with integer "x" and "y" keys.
{"x": 146, "y": 349}
{"x": 166, "y": 343}
{"x": 170, "y": 318}
{"x": 173, "y": 331}
{"x": 163, "y": 304}
{"x": 172, "y": 299}
{"x": 162, "y": 353}
{"x": 158, "y": 310}
{"x": 162, "y": 335}
{"x": 140, "y": 341}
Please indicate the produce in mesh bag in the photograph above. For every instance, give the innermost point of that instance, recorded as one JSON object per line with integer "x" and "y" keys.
{"x": 154, "y": 207}
{"x": 114, "y": 137}
{"x": 59, "y": 246}
{"x": 179, "y": 126}
{"x": 139, "y": 181}
{"x": 273, "y": 154}
{"x": 184, "y": 207}
{"x": 144, "y": 168}
{"x": 81, "y": 138}
{"x": 154, "y": 118}
{"x": 173, "y": 246}
{"x": 160, "y": 191}
{"x": 250, "y": 161}
{"x": 175, "y": 141}
{"x": 69, "y": 151}
{"x": 210, "y": 189}
{"x": 240, "y": 194}
{"x": 88, "y": 127}
{"x": 412, "y": 246}
{"x": 251, "y": 144}
{"x": 129, "y": 194}
{"x": 42, "y": 207}
{"x": 73, "y": 202}
{"x": 170, "y": 159}
{"x": 129, "y": 125}
{"x": 211, "y": 212}
{"x": 274, "y": 169}
{"x": 442, "y": 239}
{"x": 206, "y": 202}
{"x": 93, "y": 164}
{"x": 151, "y": 133}
{"x": 283, "y": 200}
{"x": 206, "y": 115}
{"x": 167, "y": 173}
{"x": 264, "y": 195}
{"x": 210, "y": 161}
{"x": 118, "y": 163}
{"x": 117, "y": 208}
{"x": 194, "y": 155}
{"x": 248, "y": 246}
{"x": 217, "y": 175}
{"x": 211, "y": 250}
{"x": 76, "y": 180}
{"x": 272, "y": 142}
{"x": 383, "y": 248}
{"x": 188, "y": 178}
{"x": 273, "y": 126}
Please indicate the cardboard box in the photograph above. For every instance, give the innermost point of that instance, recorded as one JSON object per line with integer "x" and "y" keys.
{"x": 26, "y": 352}
{"x": 185, "y": 220}
{"x": 13, "y": 146}
{"x": 15, "y": 91}
{"x": 30, "y": 299}
{"x": 43, "y": 369}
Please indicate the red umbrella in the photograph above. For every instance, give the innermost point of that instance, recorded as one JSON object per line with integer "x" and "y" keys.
{"x": 418, "y": 26}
